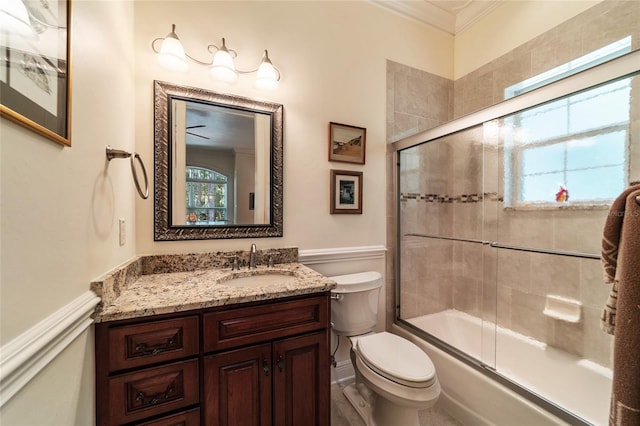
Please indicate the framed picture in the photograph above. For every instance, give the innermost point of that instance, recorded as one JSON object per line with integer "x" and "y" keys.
{"x": 347, "y": 143}
{"x": 346, "y": 192}
{"x": 35, "y": 79}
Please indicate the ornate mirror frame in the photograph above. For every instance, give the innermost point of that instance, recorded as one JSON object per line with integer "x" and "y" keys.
{"x": 163, "y": 230}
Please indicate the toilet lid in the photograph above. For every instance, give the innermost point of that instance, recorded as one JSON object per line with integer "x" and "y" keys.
{"x": 397, "y": 359}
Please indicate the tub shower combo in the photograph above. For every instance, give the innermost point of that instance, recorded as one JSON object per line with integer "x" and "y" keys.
{"x": 499, "y": 227}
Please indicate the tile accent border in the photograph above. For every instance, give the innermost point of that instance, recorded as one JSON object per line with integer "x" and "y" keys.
{"x": 22, "y": 358}
{"x": 464, "y": 198}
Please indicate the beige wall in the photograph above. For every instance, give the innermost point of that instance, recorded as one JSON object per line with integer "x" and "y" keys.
{"x": 60, "y": 209}
{"x": 332, "y": 59}
{"x": 60, "y": 206}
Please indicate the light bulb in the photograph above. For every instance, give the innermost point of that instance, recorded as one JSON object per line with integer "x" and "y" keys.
{"x": 171, "y": 55}
{"x": 223, "y": 68}
{"x": 268, "y": 76}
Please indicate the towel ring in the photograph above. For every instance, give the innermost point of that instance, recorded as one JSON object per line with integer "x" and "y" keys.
{"x": 118, "y": 153}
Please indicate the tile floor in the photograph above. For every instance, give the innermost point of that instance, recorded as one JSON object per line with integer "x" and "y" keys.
{"x": 343, "y": 414}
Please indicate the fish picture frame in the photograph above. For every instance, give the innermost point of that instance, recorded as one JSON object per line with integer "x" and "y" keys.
{"x": 347, "y": 144}
{"x": 35, "y": 69}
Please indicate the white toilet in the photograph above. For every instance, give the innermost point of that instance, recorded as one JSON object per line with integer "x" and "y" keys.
{"x": 394, "y": 377}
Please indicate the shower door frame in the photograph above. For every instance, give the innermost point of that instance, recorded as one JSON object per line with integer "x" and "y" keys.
{"x": 615, "y": 69}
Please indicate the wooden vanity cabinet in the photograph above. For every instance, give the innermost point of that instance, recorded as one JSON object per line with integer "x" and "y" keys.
{"x": 248, "y": 364}
{"x": 281, "y": 378}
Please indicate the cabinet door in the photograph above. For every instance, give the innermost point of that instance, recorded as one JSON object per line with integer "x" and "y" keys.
{"x": 301, "y": 381}
{"x": 237, "y": 387}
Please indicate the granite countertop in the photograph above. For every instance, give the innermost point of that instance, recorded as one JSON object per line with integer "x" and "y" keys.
{"x": 136, "y": 290}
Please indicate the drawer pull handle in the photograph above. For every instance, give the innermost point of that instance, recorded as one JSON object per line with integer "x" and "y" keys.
{"x": 154, "y": 350}
{"x": 265, "y": 367}
{"x": 154, "y": 399}
{"x": 280, "y": 363}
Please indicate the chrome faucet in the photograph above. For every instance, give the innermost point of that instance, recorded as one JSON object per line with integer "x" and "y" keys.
{"x": 252, "y": 256}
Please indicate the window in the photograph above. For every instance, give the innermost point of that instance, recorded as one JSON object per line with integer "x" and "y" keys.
{"x": 575, "y": 146}
{"x": 582, "y": 63}
{"x": 206, "y": 196}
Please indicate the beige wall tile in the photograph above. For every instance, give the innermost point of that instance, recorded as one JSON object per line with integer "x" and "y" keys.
{"x": 593, "y": 291}
{"x": 526, "y": 315}
{"x": 597, "y": 345}
{"x": 579, "y": 230}
{"x": 557, "y": 275}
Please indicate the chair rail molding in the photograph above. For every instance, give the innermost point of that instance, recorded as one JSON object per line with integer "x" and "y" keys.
{"x": 341, "y": 254}
{"x": 22, "y": 358}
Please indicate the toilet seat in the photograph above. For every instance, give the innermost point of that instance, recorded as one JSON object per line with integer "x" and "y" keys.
{"x": 396, "y": 359}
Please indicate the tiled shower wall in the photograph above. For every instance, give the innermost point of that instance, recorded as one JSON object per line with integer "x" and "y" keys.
{"x": 418, "y": 101}
{"x": 479, "y": 277}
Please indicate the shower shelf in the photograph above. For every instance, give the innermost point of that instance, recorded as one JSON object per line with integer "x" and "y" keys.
{"x": 562, "y": 308}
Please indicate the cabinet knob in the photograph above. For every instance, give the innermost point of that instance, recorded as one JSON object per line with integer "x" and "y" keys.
{"x": 265, "y": 367}
{"x": 280, "y": 362}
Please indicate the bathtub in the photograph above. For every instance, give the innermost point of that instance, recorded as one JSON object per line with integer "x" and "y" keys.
{"x": 579, "y": 385}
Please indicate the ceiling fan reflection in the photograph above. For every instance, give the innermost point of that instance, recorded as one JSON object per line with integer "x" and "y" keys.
{"x": 195, "y": 134}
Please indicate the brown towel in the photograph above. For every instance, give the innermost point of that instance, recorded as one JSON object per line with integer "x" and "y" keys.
{"x": 625, "y": 394}
{"x": 610, "y": 244}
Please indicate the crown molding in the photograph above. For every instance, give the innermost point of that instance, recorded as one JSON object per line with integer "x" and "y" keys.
{"x": 473, "y": 13}
{"x": 429, "y": 14}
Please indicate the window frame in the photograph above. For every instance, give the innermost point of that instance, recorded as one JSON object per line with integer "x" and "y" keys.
{"x": 514, "y": 179}
{"x": 190, "y": 194}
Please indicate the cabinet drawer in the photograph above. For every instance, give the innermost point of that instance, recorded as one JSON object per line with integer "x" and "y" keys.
{"x": 242, "y": 326}
{"x": 187, "y": 418}
{"x": 153, "y": 391}
{"x": 142, "y": 344}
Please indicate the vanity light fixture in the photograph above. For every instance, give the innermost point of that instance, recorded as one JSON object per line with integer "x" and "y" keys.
{"x": 171, "y": 55}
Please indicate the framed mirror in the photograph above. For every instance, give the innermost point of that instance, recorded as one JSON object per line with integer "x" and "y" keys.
{"x": 218, "y": 165}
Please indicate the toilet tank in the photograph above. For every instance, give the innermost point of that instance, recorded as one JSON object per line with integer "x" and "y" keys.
{"x": 354, "y": 303}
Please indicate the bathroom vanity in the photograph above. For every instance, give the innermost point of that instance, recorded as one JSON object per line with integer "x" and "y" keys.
{"x": 212, "y": 346}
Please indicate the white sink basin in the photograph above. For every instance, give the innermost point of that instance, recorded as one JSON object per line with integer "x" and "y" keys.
{"x": 257, "y": 278}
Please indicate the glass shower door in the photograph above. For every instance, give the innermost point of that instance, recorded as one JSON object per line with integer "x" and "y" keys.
{"x": 444, "y": 258}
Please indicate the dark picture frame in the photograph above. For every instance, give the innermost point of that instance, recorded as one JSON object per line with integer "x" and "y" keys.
{"x": 347, "y": 144}
{"x": 35, "y": 72}
{"x": 346, "y": 192}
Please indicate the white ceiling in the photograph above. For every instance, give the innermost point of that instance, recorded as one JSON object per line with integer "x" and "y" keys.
{"x": 452, "y": 16}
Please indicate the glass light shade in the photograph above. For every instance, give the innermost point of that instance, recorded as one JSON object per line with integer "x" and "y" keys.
{"x": 267, "y": 77}
{"x": 223, "y": 68}
{"x": 171, "y": 55}
{"x": 14, "y": 19}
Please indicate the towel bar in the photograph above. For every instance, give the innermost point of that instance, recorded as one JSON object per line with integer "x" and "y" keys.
{"x": 118, "y": 153}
